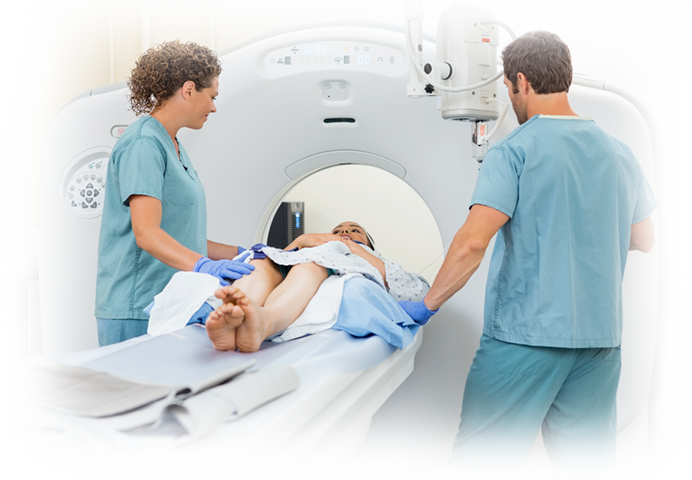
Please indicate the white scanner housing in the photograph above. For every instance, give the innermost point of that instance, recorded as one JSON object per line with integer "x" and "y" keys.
{"x": 292, "y": 104}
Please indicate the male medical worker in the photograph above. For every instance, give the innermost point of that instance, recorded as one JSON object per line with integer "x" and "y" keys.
{"x": 569, "y": 201}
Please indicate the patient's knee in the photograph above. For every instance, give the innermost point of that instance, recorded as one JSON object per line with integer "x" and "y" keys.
{"x": 264, "y": 264}
{"x": 310, "y": 269}
{"x": 264, "y": 269}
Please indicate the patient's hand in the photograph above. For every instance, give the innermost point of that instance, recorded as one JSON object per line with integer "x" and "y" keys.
{"x": 313, "y": 240}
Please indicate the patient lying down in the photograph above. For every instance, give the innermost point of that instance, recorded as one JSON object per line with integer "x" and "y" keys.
{"x": 265, "y": 303}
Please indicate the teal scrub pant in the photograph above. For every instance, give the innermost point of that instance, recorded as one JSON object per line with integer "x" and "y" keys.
{"x": 116, "y": 330}
{"x": 513, "y": 390}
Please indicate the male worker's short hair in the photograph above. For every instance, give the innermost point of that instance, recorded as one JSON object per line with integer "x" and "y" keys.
{"x": 543, "y": 58}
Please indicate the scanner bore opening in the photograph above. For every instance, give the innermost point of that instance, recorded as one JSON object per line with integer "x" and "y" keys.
{"x": 401, "y": 224}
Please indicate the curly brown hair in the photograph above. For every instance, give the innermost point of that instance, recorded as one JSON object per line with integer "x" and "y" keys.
{"x": 163, "y": 69}
{"x": 543, "y": 58}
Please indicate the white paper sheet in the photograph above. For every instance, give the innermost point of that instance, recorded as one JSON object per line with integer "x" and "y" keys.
{"x": 182, "y": 297}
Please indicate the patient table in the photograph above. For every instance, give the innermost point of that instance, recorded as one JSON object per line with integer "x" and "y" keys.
{"x": 310, "y": 433}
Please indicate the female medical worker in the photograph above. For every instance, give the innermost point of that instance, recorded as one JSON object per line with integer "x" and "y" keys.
{"x": 154, "y": 213}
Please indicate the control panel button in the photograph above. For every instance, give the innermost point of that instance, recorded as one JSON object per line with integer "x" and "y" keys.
{"x": 85, "y": 174}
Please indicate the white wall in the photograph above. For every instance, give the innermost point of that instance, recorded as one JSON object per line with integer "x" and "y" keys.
{"x": 54, "y": 50}
{"x": 50, "y": 55}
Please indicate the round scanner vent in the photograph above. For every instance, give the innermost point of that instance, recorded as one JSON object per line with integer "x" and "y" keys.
{"x": 82, "y": 185}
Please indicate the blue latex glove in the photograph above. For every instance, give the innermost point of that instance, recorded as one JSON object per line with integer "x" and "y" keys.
{"x": 418, "y": 311}
{"x": 223, "y": 269}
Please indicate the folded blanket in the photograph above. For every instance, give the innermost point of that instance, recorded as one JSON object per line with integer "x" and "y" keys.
{"x": 366, "y": 310}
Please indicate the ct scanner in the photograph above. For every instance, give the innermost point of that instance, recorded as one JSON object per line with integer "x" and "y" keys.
{"x": 278, "y": 123}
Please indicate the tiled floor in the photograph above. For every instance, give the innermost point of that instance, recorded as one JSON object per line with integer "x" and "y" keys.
{"x": 673, "y": 452}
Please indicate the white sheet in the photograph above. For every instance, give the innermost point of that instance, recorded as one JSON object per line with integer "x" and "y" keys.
{"x": 321, "y": 313}
{"x": 182, "y": 297}
{"x": 187, "y": 291}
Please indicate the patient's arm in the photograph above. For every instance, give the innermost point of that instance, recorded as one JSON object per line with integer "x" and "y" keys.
{"x": 376, "y": 262}
{"x": 313, "y": 240}
{"x": 405, "y": 285}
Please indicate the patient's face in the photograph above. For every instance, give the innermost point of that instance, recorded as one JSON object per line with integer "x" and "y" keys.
{"x": 352, "y": 231}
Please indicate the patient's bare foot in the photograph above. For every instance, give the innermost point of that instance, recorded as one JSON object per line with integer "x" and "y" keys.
{"x": 223, "y": 322}
{"x": 254, "y": 328}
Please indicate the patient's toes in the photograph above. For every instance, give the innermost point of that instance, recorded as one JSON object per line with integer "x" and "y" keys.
{"x": 240, "y": 298}
{"x": 232, "y": 314}
{"x": 223, "y": 293}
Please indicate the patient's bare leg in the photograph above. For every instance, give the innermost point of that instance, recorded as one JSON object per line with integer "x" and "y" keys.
{"x": 261, "y": 282}
{"x": 282, "y": 307}
{"x": 224, "y": 321}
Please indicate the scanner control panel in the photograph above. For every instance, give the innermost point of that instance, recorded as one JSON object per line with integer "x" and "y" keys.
{"x": 86, "y": 188}
{"x": 83, "y": 184}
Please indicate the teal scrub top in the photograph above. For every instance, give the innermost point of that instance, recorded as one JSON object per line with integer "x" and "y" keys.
{"x": 572, "y": 193}
{"x": 144, "y": 162}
